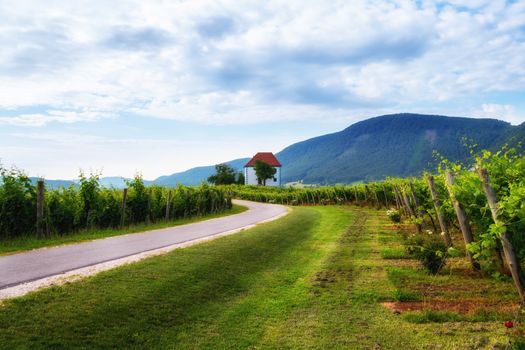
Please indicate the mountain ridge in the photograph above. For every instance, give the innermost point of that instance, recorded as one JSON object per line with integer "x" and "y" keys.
{"x": 389, "y": 145}
{"x": 395, "y": 145}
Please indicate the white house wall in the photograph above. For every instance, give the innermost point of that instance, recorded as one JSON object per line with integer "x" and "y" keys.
{"x": 251, "y": 179}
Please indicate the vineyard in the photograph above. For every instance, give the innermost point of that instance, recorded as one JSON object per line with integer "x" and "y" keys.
{"x": 29, "y": 210}
{"x": 483, "y": 205}
{"x": 475, "y": 210}
{"x": 436, "y": 269}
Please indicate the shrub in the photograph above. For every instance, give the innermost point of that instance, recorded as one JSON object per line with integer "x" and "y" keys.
{"x": 394, "y": 215}
{"x": 433, "y": 256}
{"x": 431, "y": 252}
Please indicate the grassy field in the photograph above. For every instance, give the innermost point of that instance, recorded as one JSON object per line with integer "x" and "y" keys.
{"x": 31, "y": 242}
{"x": 316, "y": 279}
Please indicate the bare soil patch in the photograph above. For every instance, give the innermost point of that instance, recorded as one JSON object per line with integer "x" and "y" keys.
{"x": 465, "y": 307}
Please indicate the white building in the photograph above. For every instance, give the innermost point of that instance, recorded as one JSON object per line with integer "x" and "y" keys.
{"x": 249, "y": 172}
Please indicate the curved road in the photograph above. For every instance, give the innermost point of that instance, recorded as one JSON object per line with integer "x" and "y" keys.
{"x": 41, "y": 263}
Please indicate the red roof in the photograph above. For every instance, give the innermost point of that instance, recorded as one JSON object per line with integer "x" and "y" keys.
{"x": 266, "y": 157}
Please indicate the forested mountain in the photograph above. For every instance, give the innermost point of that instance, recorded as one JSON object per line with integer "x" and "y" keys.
{"x": 195, "y": 176}
{"x": 391, "y": 145}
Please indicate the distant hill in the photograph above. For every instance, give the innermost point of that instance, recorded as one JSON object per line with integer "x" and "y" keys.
{"x": 54, "y": 183}
{"x": 195, "y": 176}
{"x": 108, "y": 181}
{"x": 391, "y": 145}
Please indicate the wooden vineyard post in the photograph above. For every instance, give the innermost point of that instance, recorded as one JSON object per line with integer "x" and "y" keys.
{"x": 462, "y": 217}
{"x": 420, "y": 211}
{"x": 405, "y": 202}
{"x": 386, "y": 197}
{"x": 508, "y": 249}
{"x": 168, "y": 199}
{"x": 437, "y": 206}
{"x": 413, "y": 195}
{"x": 410, "y": 210}
{"x": 400, "y": 200}
{"x": 396, "y": 198}
{"x": 344, "y": 195}
{"x": 378, "y": 204}
{"x": 123, "y": 207}
{"x": 40, "y": 209}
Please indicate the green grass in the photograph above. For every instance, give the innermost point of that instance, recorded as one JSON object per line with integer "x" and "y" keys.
{"x": 432, "y": 316}
{"x": 393, "y": 253}
{"x": 31, "y": 242}
{"x": 311, "y": 280}
{"x": 406, "y": 295}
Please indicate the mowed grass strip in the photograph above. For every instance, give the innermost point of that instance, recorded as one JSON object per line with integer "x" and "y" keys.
{"x": 9, "y": 246}
{"x": 312, "y": 280}
{"x": 229, "y": 293}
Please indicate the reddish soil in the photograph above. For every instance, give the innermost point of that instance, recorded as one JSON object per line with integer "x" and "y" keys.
{"x": 462, "y": 307}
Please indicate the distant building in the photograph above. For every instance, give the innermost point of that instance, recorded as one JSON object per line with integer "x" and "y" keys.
{"x": 249, "y": 172}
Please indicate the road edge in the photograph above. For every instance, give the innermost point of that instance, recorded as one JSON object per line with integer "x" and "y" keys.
{"x": 84, "y": 272}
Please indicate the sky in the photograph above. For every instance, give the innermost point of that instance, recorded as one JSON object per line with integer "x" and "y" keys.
{"x": 157, "y": 87}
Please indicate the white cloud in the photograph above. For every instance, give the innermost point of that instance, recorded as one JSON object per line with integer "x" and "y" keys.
{"x": 39, "y": 119}
{"x": 500, "y": 111}
{"x": 240, "y": 62}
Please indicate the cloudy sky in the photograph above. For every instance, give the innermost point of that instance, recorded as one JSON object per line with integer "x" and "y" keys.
{"x": 161, "y": 86}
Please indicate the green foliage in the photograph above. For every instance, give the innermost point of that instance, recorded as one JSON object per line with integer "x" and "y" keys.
{"x": 90, "y": 198}
{"x": 137, "y": 202}
{"x": 17, "y": 204}
{"x": 90, "y": 206}
{"x": 357, "y": 194}
{"x": 63, "y": 209}
{"x": 430, "y": 251}
{"x": 394, "y": 215}
{"x": 240, "y": 178}
{"x": 506, "y": 169}
{"x": 433, "y": 256}
{"x": 224, "y": 175}
{"x": 263, "y": 171}
{"x": 406, "y": 295}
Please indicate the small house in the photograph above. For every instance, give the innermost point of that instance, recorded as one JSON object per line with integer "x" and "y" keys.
{"x": 268, "y": 157}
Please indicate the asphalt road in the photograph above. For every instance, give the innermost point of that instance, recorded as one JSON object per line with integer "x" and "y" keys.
{"x": 40, "y": 263}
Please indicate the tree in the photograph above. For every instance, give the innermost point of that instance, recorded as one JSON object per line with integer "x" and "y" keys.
{"x": 263, "y": 171}
{"x": 240, "y": 178}
{"x": 224, "y": 175}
